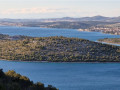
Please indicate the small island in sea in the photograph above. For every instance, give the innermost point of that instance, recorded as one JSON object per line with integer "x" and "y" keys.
{"x": 13, "y": 81}
{"x": 56, "y": 49}
{"x": 110, "y": 40}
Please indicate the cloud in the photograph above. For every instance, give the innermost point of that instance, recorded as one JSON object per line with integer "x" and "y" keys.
{"x": 45, "y": 12}
{"x": 41, "y": 12}
{"x": 32, "y": 10}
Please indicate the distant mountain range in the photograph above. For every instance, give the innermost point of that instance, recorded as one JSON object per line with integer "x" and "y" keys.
{"x": 94, "y": 18}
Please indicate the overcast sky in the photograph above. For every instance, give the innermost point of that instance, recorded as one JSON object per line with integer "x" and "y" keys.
{"x": 58, "y": 8}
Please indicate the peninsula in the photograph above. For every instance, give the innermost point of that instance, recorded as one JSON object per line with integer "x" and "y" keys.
{"x": 56, "y": 49}
{"x": 111, "y": 40}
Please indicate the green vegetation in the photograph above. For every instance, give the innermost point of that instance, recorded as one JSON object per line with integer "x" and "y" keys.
{"x": 58, "y": 49}
{"x": 111, "y": 40}
{"x": 14, "y": 81}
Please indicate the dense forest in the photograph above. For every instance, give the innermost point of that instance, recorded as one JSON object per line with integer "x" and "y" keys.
{"x": 14, "y": 81}
{"x": 57, "y": 49}
{"x": 111, "y": 40}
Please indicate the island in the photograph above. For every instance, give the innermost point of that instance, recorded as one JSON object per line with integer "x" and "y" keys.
{"x": 110, "y": 40}
{"x": 56, "y": 49}
{"x": 13, "y": 81}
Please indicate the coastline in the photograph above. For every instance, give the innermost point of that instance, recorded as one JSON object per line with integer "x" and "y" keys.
{"x": 52, "y": 62}
{"x": 22, "y": 61}
{"x": 56, "y": 28}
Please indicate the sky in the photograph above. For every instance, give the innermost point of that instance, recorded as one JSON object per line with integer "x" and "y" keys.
{"x": 58, "y": 8}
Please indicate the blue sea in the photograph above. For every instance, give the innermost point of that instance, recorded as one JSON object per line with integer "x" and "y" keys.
{"x": 70, "y": 76}
{"x": 66, "y": 76}
{"x": 46, "y": 32}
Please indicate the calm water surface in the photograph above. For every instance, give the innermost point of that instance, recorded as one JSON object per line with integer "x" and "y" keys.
{"x": 45, "y": 32}
{"x": 66, "y": 76}
{"x": 70, "y": 76}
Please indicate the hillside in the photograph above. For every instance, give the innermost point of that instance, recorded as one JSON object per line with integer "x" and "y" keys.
{"x": 14, "y": 81}
{"x": 58, "y": 49}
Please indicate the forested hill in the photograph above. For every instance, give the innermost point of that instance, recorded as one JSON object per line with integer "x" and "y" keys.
{"x": 14, "y": 81}
{"x": 58, "y": 49}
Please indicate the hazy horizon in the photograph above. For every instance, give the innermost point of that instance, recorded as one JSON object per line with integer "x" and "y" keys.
{"x": 33, "y": 9}
{"x": 61, "y": 17}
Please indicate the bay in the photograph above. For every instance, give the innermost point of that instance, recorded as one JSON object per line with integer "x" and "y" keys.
{"x": 70, "y": 76}
{"x": 66, "y": 76}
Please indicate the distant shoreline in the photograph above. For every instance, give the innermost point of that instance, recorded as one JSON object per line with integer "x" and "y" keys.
{"x": 57, "y": 28}
{"x": 96, "y": 31}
